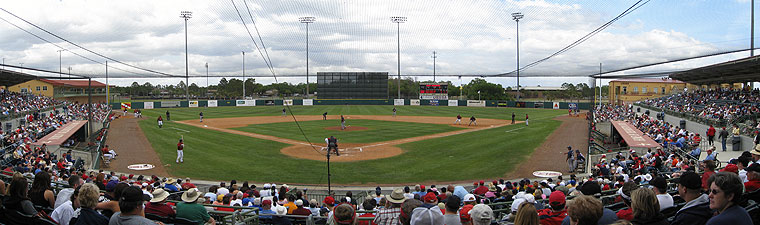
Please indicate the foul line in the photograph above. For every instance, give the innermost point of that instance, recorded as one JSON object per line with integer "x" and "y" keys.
{"x": 183, "y": 130}
{"x": 516, "y": 129}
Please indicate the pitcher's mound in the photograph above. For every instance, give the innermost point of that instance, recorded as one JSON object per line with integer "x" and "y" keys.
{"x": 348, "y": 128}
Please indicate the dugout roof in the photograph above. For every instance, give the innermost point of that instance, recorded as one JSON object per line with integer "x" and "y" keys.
{"x": 737, "y": 71}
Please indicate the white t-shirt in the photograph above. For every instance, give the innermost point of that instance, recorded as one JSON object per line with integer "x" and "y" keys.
{"x": 743, "y": 175}
{"x": 222, "y": 191}
{"x": 666, "y": 201}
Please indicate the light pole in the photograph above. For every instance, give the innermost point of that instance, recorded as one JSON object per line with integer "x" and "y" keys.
{"x": 243, "y": 74}
{"x": 69, "y": 72}
{"x": 186, "y": 15}
{"x": 398, "y": 20}
{"x": 60, "y": 68}
{"x": 478, "y": 95}
{"x": 21, "y": 69}
{"x": 307, "y": 20}
{"x": 207, "y": 80}
{"x": 434, "y": 65}
{"x": 517, "y": 16}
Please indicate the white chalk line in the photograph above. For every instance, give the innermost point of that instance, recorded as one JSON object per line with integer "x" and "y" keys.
{"x": 183, "y": 130}
{"x": 515, "y": 129}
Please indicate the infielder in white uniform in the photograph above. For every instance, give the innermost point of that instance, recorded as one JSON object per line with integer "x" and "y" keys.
{"x": 180, "y": 154}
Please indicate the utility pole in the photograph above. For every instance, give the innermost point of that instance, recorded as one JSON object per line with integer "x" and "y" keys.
{"x": 752, "y": 31}
{"x": 107, "y": 92}
{"x": 517, "y": 16}
{"x": 207, "y": 81}
{"x": 69, "y": 72}
{"x": 186, "y": 15}
{"x": 22, "y": 67}
{"x": 434, "y": 65}
{"x": 398, "y": 20}
{"x": 600, "y": 85}
{"x": 60, "y": 67}
{"x": 307, "y": 20}
{"x": 243, "y": 74}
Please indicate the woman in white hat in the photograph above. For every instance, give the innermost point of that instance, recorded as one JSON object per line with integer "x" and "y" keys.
{"x": 191, "y": 210}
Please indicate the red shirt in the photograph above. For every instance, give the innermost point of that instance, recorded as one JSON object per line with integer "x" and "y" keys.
{"x": 187, "y": 186}
{"x": 180, "y": 146}
{"x": 160, "y": 209}
{"x": 625, "y": 214}
{"x": 548, "y": 217}
{"x": 752, "y": 185}
{"x": 480, "y": 190}
{"x": 706, "y": 175}
{"x": 464, "y": 215}
{"x": 367, "y": 222}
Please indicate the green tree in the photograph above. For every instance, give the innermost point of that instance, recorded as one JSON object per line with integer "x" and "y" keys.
{"x": 488, "y": 91}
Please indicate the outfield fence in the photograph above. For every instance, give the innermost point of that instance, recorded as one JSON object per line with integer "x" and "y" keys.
{"x": 307, "y": 102}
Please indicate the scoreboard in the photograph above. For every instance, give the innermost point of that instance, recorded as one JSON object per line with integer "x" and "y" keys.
{"x": 434, "y": 91}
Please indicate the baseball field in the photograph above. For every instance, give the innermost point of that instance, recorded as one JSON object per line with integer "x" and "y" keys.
{"x": 420, "y": 144}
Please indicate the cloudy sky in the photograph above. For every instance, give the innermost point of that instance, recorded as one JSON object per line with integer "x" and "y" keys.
{"x": 470, "y": 37}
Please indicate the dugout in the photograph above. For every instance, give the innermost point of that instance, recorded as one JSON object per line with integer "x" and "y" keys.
{"x": 633, "y": 137}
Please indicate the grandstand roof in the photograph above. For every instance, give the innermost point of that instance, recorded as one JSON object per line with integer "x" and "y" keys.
{"x": 73, "y": 83}
{"x": 737, "y": 71}
{"x": 10, "y": 78}
{"x": 649, "y": 80}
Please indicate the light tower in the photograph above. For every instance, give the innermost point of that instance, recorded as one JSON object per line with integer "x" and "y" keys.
{"x": 60, "y": 67}
{"x": 307, "y": 20}
{"x": 186, "y": 15}
{"x": 517, "y": 16}
{"x": 398, "y": 20}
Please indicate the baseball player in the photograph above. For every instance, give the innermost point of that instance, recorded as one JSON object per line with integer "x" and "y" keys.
{"x": 459, "y": 119}
{"x": 201, "y": 115}
{"x": 160, "y": 122}
{"x": 125, "y": 111}
{"x": 513, "y": 118}
{"x": 180, "y": 154}
{"x": 342, "y": 123}
{"x": 332, "y": 143}
{"x": 526, "y": 119}
{"x": 167, "y": 115}
{"x": 283, "y": 112}
{"x": 324, "y": 116}
{"x": 394, "y": 111}
{"x": 472, "y": 120}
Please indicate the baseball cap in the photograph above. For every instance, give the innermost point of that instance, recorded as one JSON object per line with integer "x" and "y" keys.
{"x": 591, "y": 188}
{"x": 429, "y": 197}
{"x": 329, "y": 200}
{"x": 133, "y": 194}
{"x": 481, "y": 212}
{"x": 111, "y": 184}
{"x": 266, "y": 202}
{"x": 731, "y": 168}
{"x": 557, "y": 198}
{"x": 689, "y": 180}
{"x": 469, "y": 198}
{"x": 299, "y": 202}
{"x": 659, "y": 182}
{"x": 755, "y": 167}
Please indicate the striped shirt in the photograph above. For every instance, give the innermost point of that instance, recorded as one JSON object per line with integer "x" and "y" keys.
{"x": 388, "y": 217}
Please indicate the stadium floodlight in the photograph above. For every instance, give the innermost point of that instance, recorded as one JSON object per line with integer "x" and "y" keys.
{"x": 307, "y": 20}
{"x": 60, "y": 67}
{"x": 398, "y": 20}
{"x": 186, "y": 15}
{"x": 207, "y": 81}
{"x": 243, "y": 73}
{"x": 517, "y": 16}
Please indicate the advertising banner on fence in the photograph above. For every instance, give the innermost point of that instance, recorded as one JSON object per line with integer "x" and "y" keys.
{"x": 169, "y": 104}
{"x": 538, "y": 105}
{"x": 193, "y": 104}
{"x": 308, "y": 102}
{"x": 269, "y": 102}
{"x": 398, "y": 101}
{"x": 126, "y": 105}
{"x": 555, "y": 105}
{"x": 414, "y": 102}
{"x": 453, "y": 103}
{"x": 212, "y": 103}
{"x": 434, "y": 102}
{"x": 476, "y": 103}
{"x": 148, "y": 105}
{"x": 245, "y": 103}
{"x": 287, "y": 102}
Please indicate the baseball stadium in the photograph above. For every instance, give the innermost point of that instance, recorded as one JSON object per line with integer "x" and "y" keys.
{"x": 392, "y": 112}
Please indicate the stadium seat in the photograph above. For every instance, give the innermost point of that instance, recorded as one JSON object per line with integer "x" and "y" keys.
{"x": 18, "y": 218}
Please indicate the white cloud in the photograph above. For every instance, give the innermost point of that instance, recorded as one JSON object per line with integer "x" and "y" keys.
{"x": 471, "y": 37}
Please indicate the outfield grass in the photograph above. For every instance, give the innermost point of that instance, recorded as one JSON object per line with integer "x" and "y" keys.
{"x": 445, "y": 111}
{"x": 377, "y": 131}
{"x": 214, "y": 155}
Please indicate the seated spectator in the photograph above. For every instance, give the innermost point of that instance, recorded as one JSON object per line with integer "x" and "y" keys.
{"x": 660, "y": 187}
{"x": 407, "y": 209}
{"x": 391, "y": 214}
{"x": 266, "y": 209}
{"x": 625, "y": 193}
{"x": 427, "y": 214}
{"x": 646, "y": 210}
{"x": 344, "y": 214}
{"x": 753, "y": 175}
{"x": 556, "y": 211}
{"x": 711, "y": 154}
{"x": 41, "y": 193}
{"x": 726, "y": 190}
{"x": 526, "y": 214}
{"x": 171, "y": 185}
{"x": 158, "y": 206}
{"x": 697, "y": 207}
{"x": 452, "y": 207}
{"x": 63, "y": 213}
{"x": 131, "y": 205}
{"x": 17, "y": 199}
{"x": 191, "y": 210}
{"x": 469, "y": 202}
{"x": 709, "y": 167}
{"x": 584, "y": 210}
{"x": 301, "y": 211}
{"x": 88, "y": 199}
